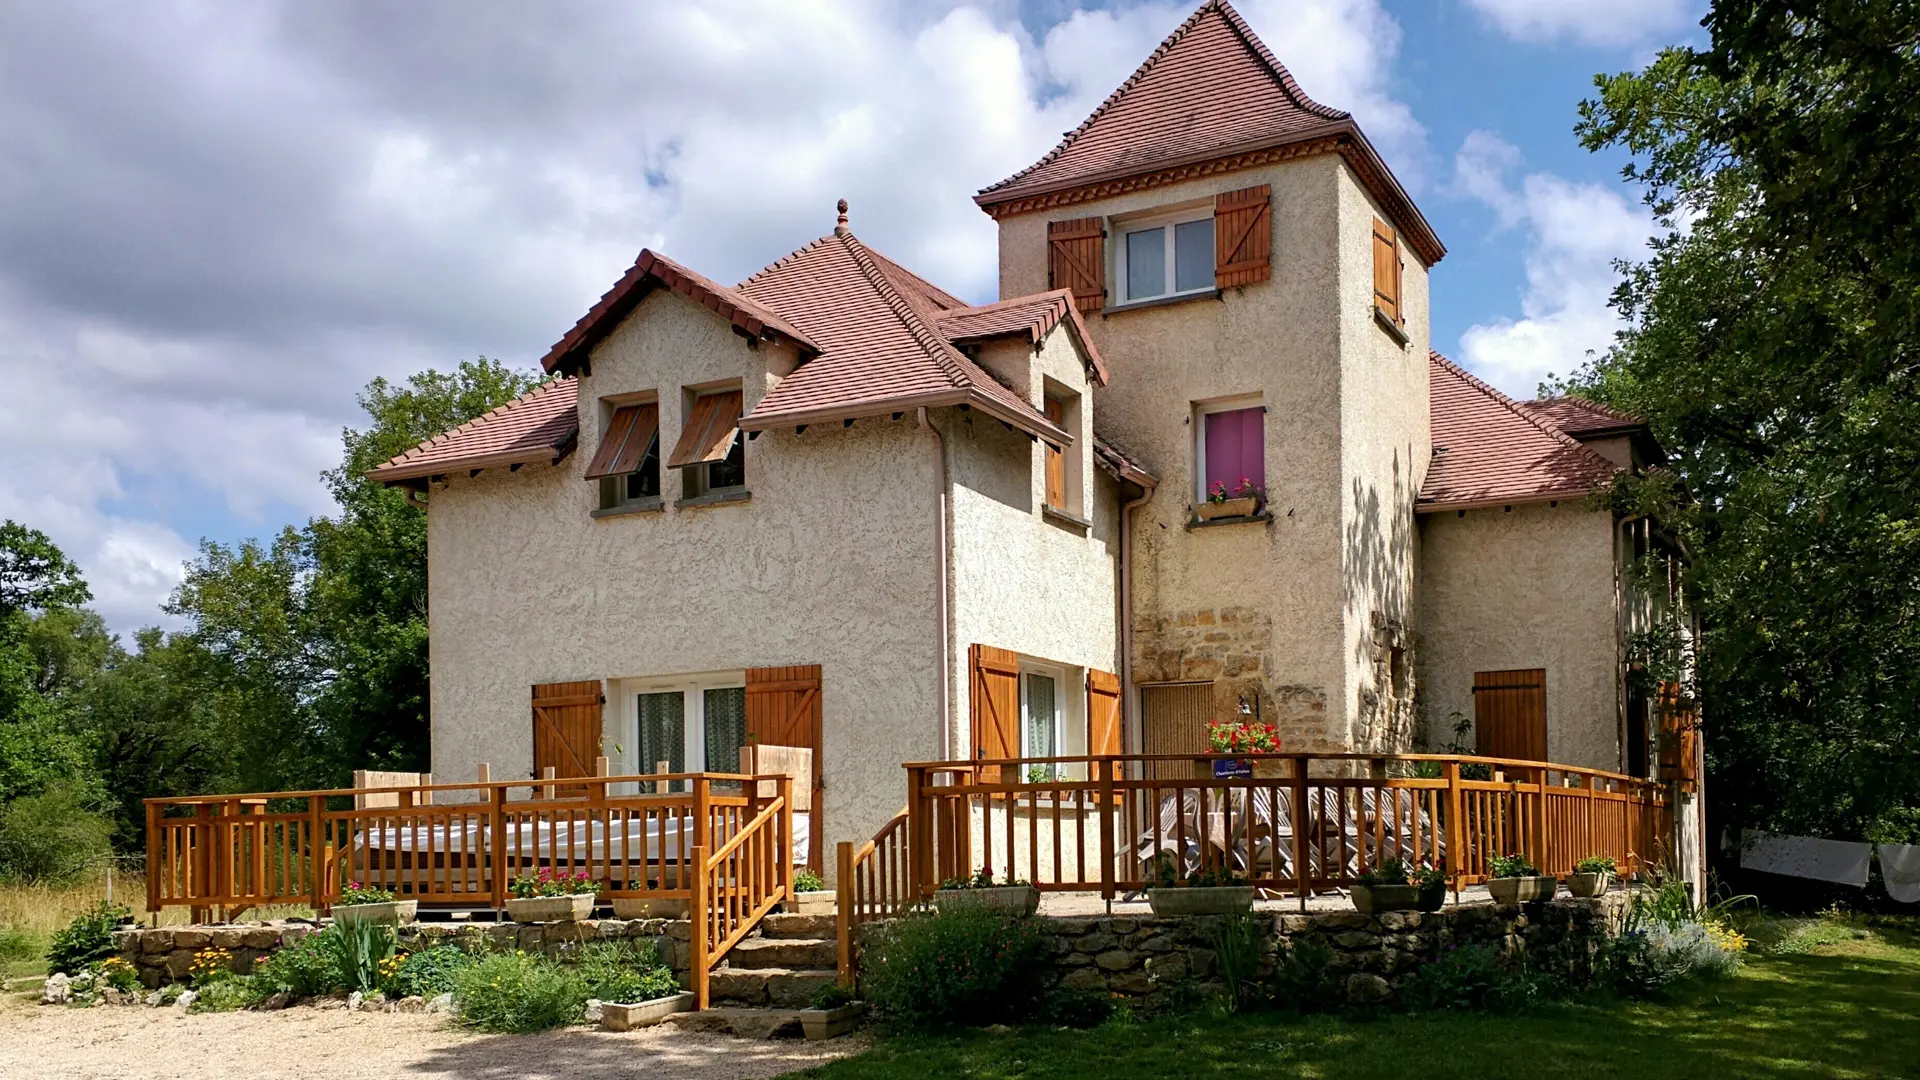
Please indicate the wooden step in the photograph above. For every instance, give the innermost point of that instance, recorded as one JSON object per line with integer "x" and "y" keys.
{"x": 781, "y": 987}
{"x": 783, "y": 925}
{"x": 798, "y": 953}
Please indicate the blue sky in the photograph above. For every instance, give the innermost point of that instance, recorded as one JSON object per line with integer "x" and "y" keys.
{"x": 216, "y": 224}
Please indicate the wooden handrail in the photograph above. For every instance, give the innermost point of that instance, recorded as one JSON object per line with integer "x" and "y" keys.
{"x": 477, "y": 786}
{"x": 738, "y": 884}
{"x": 874, "y": 882}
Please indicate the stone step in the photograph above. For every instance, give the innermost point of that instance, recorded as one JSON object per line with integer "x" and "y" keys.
{"x": 743, "y": 1022}
{"x": 765, "y": 952}
{"x": 781, "y": 987}
{"x": 784, "y": 925}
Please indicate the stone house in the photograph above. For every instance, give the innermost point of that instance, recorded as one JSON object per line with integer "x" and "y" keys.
{"x": 837, "y": 506}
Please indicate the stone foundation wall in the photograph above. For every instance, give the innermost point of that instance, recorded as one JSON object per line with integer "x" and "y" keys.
{"x": 164, "y": 954}
{"x": 1138, "y": 957}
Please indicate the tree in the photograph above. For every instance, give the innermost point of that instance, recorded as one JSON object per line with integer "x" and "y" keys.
{"x": 1773, "y": 343}
{"x": 35, "y": 574}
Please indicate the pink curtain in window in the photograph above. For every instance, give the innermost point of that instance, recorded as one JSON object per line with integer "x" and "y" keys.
{"x": 1236, "y": 448}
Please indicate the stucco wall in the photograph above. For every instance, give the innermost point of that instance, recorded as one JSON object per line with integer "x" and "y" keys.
{"x": 1530, "y": 588}
{"x": 830, "y": 562}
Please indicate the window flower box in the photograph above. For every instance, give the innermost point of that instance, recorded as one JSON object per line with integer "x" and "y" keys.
{"x": 536, "y": 909}
{"x": 389, "y": 913}
{"x": 628, "y": 1017}
{"x": 818, "y": 1024}
{"x": 1228, "y": 508}
{"x": 1201, "y": 899}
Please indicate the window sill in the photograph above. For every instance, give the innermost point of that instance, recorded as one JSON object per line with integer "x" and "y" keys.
{"x": 1068, "y": 521}
{"x": 1260, "y": 518}
{"x": 716, "y": 498}
{"x": 638, "y": 506}
{"x": 1162, "y": 301}
{"x": 1393, "y": 329}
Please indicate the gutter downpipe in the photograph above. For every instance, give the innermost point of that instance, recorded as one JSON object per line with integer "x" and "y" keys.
{"x": 940, "y": 540}
{"x": 1128, "y": 696}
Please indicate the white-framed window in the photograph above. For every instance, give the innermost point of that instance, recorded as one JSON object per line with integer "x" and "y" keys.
{"x": 1229, "y": 445}
{"x": 692, "y": 723}
{"x": 1042, "y": 723}
{"x": 1166, "y": 256}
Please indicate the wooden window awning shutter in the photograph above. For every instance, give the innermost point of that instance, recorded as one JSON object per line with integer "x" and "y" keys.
{"x": 712, "y": 425}
{"x": 1242, "y": 236}
{"x": 994, "y": 705}
{"x": 1386, "y": 272}
{"x": 1077, "y": 260}
{"x": 1103, "y": 713}
{"x": 566, "y": 730}
{"x": 630, "y": 431}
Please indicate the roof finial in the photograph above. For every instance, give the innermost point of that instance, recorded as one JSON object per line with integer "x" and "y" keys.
{"x": 840, "y": 226}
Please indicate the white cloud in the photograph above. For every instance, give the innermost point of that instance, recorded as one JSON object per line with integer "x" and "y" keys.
{"x": 1575, "y": 232}
{"x": 1618, "y": 23}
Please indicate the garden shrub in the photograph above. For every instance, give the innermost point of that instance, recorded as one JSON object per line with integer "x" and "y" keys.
{"x": 831, "y": 996}
{"x": 1643, "y": 961}
{"x": 1076, "y": 1007}
{"x": 17, "y": 944}
{"x": 807, "y": 881}
{"x": 427, "y": 973}
{"x": 616, "y": 971}
{"x": 225, "y": 995}
{"x": 358, "y": 950}
{"x": 1236, "y": 942}
{"x": 1474, "y": 977}
{"x": 1303, "y": 979}
{"x": 52, "y": 836}
{"x": 118, "y": 974}
{"x": 85, "y": 940}
{"x": 968, "y": 965}
{"x": 516, "y": 993}
{"x": 303, "y": 969}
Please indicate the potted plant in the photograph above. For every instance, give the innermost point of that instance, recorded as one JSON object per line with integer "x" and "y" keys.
{"x": 1591, "y": 876}
{"x": 359, "y": 904}
{"x": 1514, "y": 881}
{"x": 811, "y": 895}
{"x": 551, "y": 896}
{"x": 979, "y": 890}
{"x": 1431, "y": 881}
{"x": 1243, "y": 501}
{"x": 1205, "y": 892}
{"x": 1385, "y": 888}
{"x": 1243, "y": 737}
{"x": 834, "y": 1012}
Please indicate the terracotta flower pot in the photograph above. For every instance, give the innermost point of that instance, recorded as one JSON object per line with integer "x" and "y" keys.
{"x": 532, "y": 909}
{"x": 1373, "y": 899}
{"x": 1018, "y": 899}
{"x": 1201, "y": 900}
{"x": 1589, "y": 885}
{"x": 1511, "y": 892}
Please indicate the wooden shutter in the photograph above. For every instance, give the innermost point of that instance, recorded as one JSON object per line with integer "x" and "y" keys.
{"x": 1056, "y": 461}
{"x": 994, "y": 701}
{"x": 1510, "y": 714}
{"x": 712, "y": 425}
{"x": 566, "y": 730}
{"x": 1243, "y": 236}
{"x": 1103, "y": 713}
{"x": 783, "y": 709}
{"x": 1173, "y": 720}
{"x": 1386, "y": 272}
{"x": 1679, "y": 730}
{"x": 629, "y": 432}
{"x": 1077, "y": 260}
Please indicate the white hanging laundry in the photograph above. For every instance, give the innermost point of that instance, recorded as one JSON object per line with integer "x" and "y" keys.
{"x": 1900, "y": 869}
{"x": 1841, "y": 861}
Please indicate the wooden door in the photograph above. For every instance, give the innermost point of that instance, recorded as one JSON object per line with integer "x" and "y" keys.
{"x": 783, "y": 709}
{"x": 1510, "y": 714}
{"x": 566, "y": 731}
{"x": 1173, "y": 720}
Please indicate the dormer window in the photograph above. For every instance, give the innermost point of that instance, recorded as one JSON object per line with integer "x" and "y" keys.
{"x": 711, "y": 454}
{"x": 1168, "y": 256}
{"x": 627, "y": 463}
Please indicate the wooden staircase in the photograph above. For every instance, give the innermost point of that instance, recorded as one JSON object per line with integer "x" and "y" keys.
{"x": 781, "y": 964}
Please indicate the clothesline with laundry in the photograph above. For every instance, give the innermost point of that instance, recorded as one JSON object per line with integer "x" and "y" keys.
{"x": 1843, "y": 862}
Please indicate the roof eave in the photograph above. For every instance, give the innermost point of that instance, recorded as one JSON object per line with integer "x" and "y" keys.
{"x": 1422, "y": 507}
{"x": 394, "y": 474}
{"x": 861, "y": 410}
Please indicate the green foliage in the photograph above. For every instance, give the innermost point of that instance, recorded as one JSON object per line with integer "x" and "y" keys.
{"x": 17, "y": 944}
{"x": 616, "y": 971}
{"x": 1304, "y": 980}
{"x": 964, "y": 965}
{"x": 513, "y": 992}
{"x": 429, "y": 972}
{"x": 356, "y": 951}
{"x": 982, "y": 879}
{"x": 35, "y": 574}
{"x": 225, "y": 995}
{"x": 303, "y": 969}
{"x": 831, "y": 996}
{"x": 52, "y": 836}
{"x": 355, "y": 893}
{"x": 1164, "y": 873}
{"x": 1510, "y": 866}
{"x": 1596, "y": 864}
{"x": 807, "y": 881}
{"x": 1391, "y": 872}
{"x": 86, "y": 940}
{"x": 1075, "y": 1007}
{"x": 1474, "y": 977}
{"x": 1237, "y": 941}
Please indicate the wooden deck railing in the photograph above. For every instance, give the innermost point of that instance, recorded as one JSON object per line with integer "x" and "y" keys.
{"x": 874, "y": 881}
{"x": 735, "y": 887}
{"x": 1302, "y": 823}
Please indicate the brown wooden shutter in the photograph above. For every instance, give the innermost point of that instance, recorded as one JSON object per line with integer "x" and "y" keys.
{"x": 1679, "y": 728}
{"x": 1077, "y": 260}
{"x": 994, "y": 701}
{"x": 1510, "y": 714}
{"x": 1243, "y": 236}
{"x": 1103, "y": 713}
{"x": 712, "y": 425}
{"x": 783, "y": 709}
{"x": 1056, "y": 461}
{"x": 1386, "y": 272}
{"x": 629, "y": 432}
{"x": 1173, "y": 720}
{"x": 566, "y": 730}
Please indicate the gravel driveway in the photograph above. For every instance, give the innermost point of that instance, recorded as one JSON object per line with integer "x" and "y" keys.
{"x": 113, "y": 1043}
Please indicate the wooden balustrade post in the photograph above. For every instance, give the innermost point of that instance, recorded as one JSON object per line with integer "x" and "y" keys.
{"x": 1541, "y": 850}
{"x": 155, "y": 860}
{"x": 496, "y": 845}
{"x": 784, "y": 856}
{"x": 919, "y": 834}
{"x": 1108, "y": 871}
{"x": 548, "y": 790}
{"x": 1456, "y": 830}
{"x": 257, "y": 865}
{"x": 843, "y": 909}
{"x": 1299, "y": 811}
{"x": 697, "y": 944}
{"x": 201, "y": 865}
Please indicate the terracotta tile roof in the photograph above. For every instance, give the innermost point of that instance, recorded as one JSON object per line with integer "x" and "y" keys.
{"x": 1578, "y": 416}
{"x": 1120, "y": 464}
{"x": 1211, "y": 91}
{"x": 650, "y": 271}
{"x": 1489, "y": 449}
{"x": 539, "y": 425}
{"x": 880, "y": 351}
{"x": 1031, "y": 316}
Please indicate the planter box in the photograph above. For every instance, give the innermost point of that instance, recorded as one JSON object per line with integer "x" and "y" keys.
{"x": 393, "y": 913}
{"x": 1589, "y": 885}
{"x": 1206, "y": 900}
{"x": 1372, "y": 899}
{"x": 644, "y": 1014}
{"x": 649, "y": 909}
{"x": 815, "y": 902}
{"x": 1511, "y": 892}
{"x": 1019, "y": 899}
{"x": 534, "y": 909}
{"x": 831, "y": 1023}
{"x": 1213, "y": 511}
{"x": 1433, "y": 897}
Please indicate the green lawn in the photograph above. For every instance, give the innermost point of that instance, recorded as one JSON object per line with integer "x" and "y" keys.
{"x": 1846, "y": 1009}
